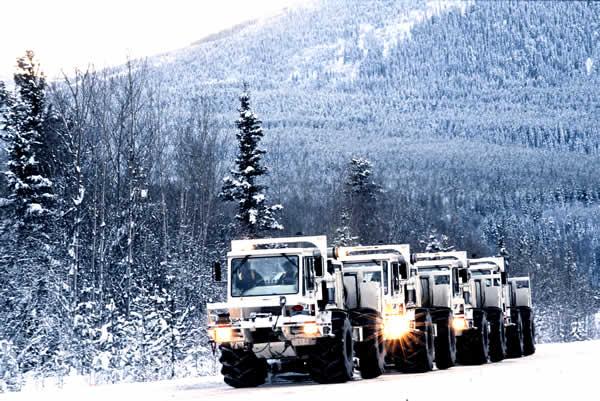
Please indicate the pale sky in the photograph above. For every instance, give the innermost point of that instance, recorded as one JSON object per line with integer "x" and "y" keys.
{"x": 69, "y": 33}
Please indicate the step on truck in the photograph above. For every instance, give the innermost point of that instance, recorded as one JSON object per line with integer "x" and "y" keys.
{"x": 444, "y": 280}
{"x": 521, "y": 340}
{"x": 284, "y": 312}
{"x": 382, "y": 288}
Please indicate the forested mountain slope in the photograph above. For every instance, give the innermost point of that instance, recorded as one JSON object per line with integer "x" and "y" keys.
{"x": 481, "y": 118}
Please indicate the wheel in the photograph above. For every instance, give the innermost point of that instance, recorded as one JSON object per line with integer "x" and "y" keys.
{"x": 528, "y": 330}
{"x": 241, "y": 368}
{"x": 332, "y": 359}
{"x": 514, "y": 336}
{"x": 473, "y": 344}
{"x": 497, "y": 336}
{"x": 445, "y": 343}
{"x": 418, "y": 350}
{"x": 371, "y": 352}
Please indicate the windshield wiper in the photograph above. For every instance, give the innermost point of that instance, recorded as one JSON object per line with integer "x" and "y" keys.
{"x": 242, "y": 263}
{"x": 289, "y": 259}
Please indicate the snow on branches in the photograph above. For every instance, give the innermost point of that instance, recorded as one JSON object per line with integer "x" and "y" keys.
{"x": 254, "y": 215}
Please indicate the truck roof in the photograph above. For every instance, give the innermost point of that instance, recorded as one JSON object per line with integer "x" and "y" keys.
{"x": 279, "y": 245}
{"x": 377, "y": 252}
{"x": 494, "y": 262}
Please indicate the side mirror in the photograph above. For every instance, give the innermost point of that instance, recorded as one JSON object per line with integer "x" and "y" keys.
{"x": 413, "y": 258}
{"x": 217, "y": 271}
{"x": 504, "y": 278}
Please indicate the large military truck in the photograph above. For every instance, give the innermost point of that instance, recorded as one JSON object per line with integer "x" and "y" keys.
{"x": 445, "y": 292}
{"x": 521, "y": 337}
{"x": 488, "y": 288}
{"x": 381, "y": 281}
{"x": 373, "y": 294}
{"x": 507, "y": 304}
{"x": 285, "y": 311}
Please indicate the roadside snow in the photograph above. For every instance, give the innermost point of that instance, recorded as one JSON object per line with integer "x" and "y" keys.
{"x": 555, "y": 372}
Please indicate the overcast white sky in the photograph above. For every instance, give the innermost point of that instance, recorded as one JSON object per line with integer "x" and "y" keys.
{"x": 68, "y": 33}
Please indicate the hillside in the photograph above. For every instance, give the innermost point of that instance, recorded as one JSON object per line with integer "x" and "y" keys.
{"x": 478, "y": 115}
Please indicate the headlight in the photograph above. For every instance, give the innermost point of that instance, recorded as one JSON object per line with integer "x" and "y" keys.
{"x": 459, "y": 324}
{"x": 395, "y": 327}
{"x": 310, "y": 329}
{"x": 222, "y": 334}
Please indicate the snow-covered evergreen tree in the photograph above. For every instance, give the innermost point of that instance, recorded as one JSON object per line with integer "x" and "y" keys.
{"x": 436, "y": 242}
{"x": 34, "y": 315}
{"x": 254, "y": 216}
{"x": 26, "y": 135}
{"x": 360, "y": 209}
{"x": 343, "y": 234}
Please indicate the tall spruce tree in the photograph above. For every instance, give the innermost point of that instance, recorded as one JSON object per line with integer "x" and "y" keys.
{"x": 254, "y": 216}
{"x": 32, "y": 315}
{"x": 361, "y": 194}
{"x": 26, "y": 134}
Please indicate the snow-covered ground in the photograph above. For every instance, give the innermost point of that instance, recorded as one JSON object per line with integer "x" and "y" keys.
{"x": 555, "y": 372}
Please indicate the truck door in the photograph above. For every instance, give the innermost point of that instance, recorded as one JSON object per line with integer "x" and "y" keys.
{"x": 351, "y": 290}
{"x": 370, "y": 290}
{"x": 479, "y": 297}
{"x": 425, "y": 292}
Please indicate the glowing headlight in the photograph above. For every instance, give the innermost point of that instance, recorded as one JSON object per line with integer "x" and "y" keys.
{"x": 310, "y": 329}
{"x": 459, "y": 324}
{"x": 222, "y": 334}
{"x": 395, "y": 327}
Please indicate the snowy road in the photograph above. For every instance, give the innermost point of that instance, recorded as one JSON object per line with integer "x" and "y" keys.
{"x": 555, "y": 372}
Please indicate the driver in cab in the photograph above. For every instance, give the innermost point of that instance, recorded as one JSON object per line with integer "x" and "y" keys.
{"x": 247, "y": 278}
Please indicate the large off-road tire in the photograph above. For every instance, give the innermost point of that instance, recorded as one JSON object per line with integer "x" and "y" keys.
{"x": 497, "y": 335}
{"x": 445, "y": 341}
{"x": 370, "y": 352}
{"x": 241, "y": 368}
{"x": 528, "y": 330}
{"x": 332, "y": 359}
{"x": 418, "y": 349}
{"x": 514, "y": 336}
{"x": 473, "y": 344}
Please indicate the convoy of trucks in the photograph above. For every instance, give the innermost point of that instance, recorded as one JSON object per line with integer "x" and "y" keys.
{"x": 297, "y": 305}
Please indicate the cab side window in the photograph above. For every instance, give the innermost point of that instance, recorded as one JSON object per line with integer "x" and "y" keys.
{"x": 395, "y": 278}
{"x": 456, "y": 282}
{"x": 309, "y": 274}
{"x": 385, "y": 277}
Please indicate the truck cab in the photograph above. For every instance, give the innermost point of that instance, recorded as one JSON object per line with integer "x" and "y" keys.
{"x": 284, "y": 312}
{"x": 380, "y": 278}
{"x": 522, "y": 333}
{"x": 443, "y": 278}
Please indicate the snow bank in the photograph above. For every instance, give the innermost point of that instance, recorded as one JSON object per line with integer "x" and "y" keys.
{"x": 555, "y": 372}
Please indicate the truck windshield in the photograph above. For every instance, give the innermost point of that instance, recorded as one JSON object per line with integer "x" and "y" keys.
{"x": 268, "y": 275}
